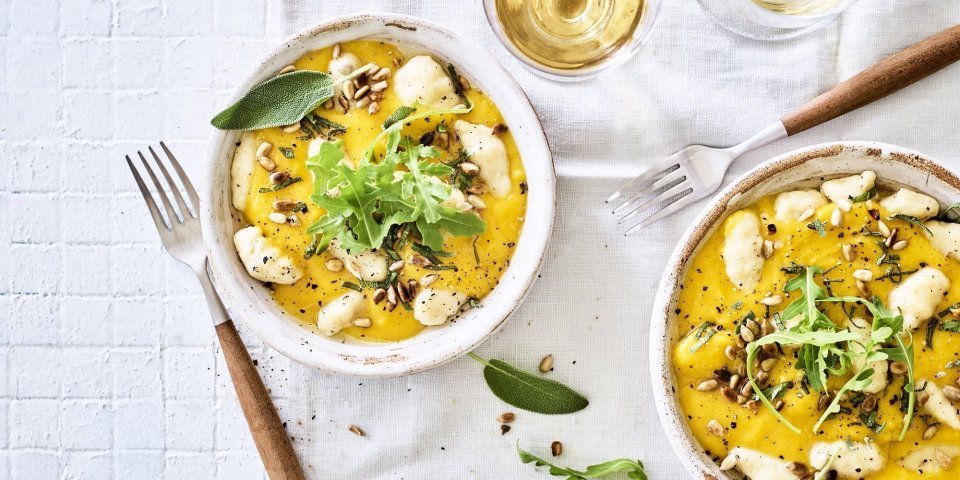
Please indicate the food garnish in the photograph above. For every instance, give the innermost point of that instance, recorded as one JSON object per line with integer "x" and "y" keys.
{"x": 529, "y": 391}
{"x": 632, "y": 468}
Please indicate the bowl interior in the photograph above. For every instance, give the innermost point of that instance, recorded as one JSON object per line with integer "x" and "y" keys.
{"x": 249, "y": 301}
{"x": 808, "y": 167}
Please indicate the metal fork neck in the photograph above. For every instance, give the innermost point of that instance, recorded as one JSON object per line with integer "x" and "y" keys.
{"x": 771, "y": 133}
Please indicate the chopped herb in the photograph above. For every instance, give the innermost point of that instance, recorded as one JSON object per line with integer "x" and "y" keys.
{"x": 300, "y": 207}
{"x": 870, "y": 421}
{"x": 440, "y": 267}
{"x": 911, "y": 220}
{"x": 950, "y": 214}
{"x": 323, "y": 126}
{"x": 931, "y": 327}
{"x": 312, "y": 248}
{"x": 863, "y": 197}
{"x": 457, "y": 85}
{"x": 953, "y": 364}
{"x": 819, "y": 227}
{"x": 633, "y": 469}
{"x": 703, "y": 333}
{"x": 399, "y": 114}
{"x": 776, "y": 391}
{"x": 280, "y": 186}
{"x": 951, "y": 326}
{"x": 792, "y": 269}
{"x": 352, "y": 286}
{"x": 476, "y": 253}
{"x": 287, "y": 152}
{"x": 738, "y": 305}
{"x": 442, "y": 127}
{"x": 429, "y": 253}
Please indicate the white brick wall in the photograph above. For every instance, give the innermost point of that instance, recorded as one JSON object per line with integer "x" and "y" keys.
{"x": 108, "y": 365}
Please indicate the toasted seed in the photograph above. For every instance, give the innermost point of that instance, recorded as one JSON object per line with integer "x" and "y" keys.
{"x": 824, "y": 401}
{"x": 546, "y": 364}
{"x": 344, "y": 103}
{"x": 284, "y": 205}
{"x": 767, "y": 249}
{"x": 767, "y": 327}
{"x": 395, "y": 266}
{"x": 293, "y": 220}
{"x": 762, "y": 376}
{"x": 747, "y": 389}
{"x": 356, "y": 430}
{"x": 942, "y": 458}
{"x": 375, "y": 96}
{"x": 369, "y": 68}
{"x": 362, "y": 323}
{"x": 768, "y": 364}
{"x": 428, "y": 279}
{"x": 715, "y": 428}
{"x": 806, "y": 214}
{"x": 413, "y": 287}
{"x": 277, "y": 217}
{"x": 504, "y": 429}
{"x": 734, "y": 381}
{"x": 477, "y": 202}
{"x": 373, "y": 108}
{"x": 731, "y": 352}
{"x": 334, "y": 265}
{"x": 443, "y": 140}
{"x": 708, "y": 385}
{"x": 863, "y": 275}
{"x": 328, "y": 104}
{"x": 951, "y": 392}
{"x": 362, "y": 92}
{"x": 287, "y": 69}
{"x": 729, "y": 463}
{"x": 922, "y": 398}
{"x": 469, "y": 168}
{"x": 336, "y": 51}
{"x": 797, "y": 468}
{"x": 772, "y": 300}
{"x": 419, "y": 260}
{"x": 392, "y": 295}
{"x": 379, "y": 294}
{"x": 379, "y": 86}
{"x": 900, "y": 245}
{"x": 397, "y": 62}
{"x": 403, "y": 292}
{"x": 507, "y": 417}
{"x": 279, "y": 177}
{"x": 264, "y": 149}
{"x": 498, "y": 129}
{"x": 363, "y": 102}
{"x": 556, "y": 448}
{"x": 844, "y": 205}
{"x": 292, "y": 128}
{"x": 752, "y": 404}
{"x": 747, "y": 335}
{"x": 847, "y": 251}
{"x": 929, "y": 432}
{"x": 727, "y": 393}
{"x": 771, "y": 349}
{"x": 869, "y": 403}
{"x": 892, "y": 238}
{"x": 349, "y": 89}
{"x": 883, "y": 228}
{"x": 742, "y": 369}
{"x": 779, "y": 405}
{"x": 864, "y": 290}
{"x": 382, "y": 74}
{"x": 898, "y": 368}
{"x": 267, "y": 164}
{"x": 836, "y": 218}
{"x": 427, "y": 138}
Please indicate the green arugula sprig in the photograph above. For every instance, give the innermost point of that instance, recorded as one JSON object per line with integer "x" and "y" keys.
{"x": 633, "y": 469}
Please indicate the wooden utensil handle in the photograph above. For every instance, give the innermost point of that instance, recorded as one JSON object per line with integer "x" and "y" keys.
{"x": 883, "y": 78}
{"x": 268, "y": 432}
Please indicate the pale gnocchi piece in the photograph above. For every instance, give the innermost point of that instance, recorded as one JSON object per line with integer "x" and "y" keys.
{"x": 930, "y": 459}
{"x": 313, "y": 149}
{"x": 939, "y": 406}
{"x": 917, "y": 296}
{"x": 434, "y": 306}
{"x": 945, "y": 237}
{"x": 845, "y": 188}
{"x": 742, "y": 249}
{"x": 368, "y": 265}
{"x": 264, "y": 260}
{"x": 339, "y": 313}
{"x": 341, "y": 66}
{"x": 908, "y": 202}
{"x": 879, "y": 379}
{"x": 422, "y": 79}
{"x": 849, "y": 460}
{"x": 790, "y": 206}
{"x": 241, "y": 171}
{"x": 760, "y": 465}
{"x": 456, "y": 198}
{"x": 489, "y": 153}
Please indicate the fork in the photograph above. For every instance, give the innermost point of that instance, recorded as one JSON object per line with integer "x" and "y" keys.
{"x": 182, "y": 238}
{"x": 698, "y": 170}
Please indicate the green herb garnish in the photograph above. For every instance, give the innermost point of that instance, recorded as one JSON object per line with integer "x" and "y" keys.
{"x": 633, "y": 469}
{"x": 528, "y": 391}
{"x": 819, "y": 227}
{"x": 870, "y": 421}
{"x": 932, "y": 325}
{"x": 399, "y": 114}
{"x": 287, "y": 152}
{"x": 775, "y": 391}
{"x": 312, "y": 248}
{"x": 280, "y": 186}
{"x": 352, "y": 286}
{"x": 281, "y": 100}
{"x": 703, "y": 334}
{"x": 863, "y": 197}
{"x": 951, "y": 326}
{"x": 911, "y": 220}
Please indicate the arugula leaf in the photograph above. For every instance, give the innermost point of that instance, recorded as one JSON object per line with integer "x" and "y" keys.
{"x": 281, "y": 100}
{"x": 633, "y": 469}
{"x": 911, "y": 220}
{"x": 528, "y": 391}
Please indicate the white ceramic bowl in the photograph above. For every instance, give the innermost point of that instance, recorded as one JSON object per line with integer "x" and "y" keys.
{"x": 806, "y": 167}
{"x": 248, "y": 301}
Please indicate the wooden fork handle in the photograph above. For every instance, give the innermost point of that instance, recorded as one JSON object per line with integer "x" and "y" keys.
{"x": 269, "y": 435}
{"x": 883, "y": 78}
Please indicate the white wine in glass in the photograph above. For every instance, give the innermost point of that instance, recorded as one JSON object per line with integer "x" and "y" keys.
{"x": 571, "y": 38}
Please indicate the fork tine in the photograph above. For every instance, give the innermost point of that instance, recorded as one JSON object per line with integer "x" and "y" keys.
{"x": 660, "y": 183}
{"x": 655, "y": 200}
{"x": 184, "y": 179}
{"x": 670, "y": 209}
{"x": 148, "y": 197}
{"x": 160, "y": 193}
{"x": 646, "y": 175}
{"x": 184, "y": 211}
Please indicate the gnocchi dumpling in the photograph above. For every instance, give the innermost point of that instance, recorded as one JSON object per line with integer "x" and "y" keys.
{"x": 241, "y": 170}
{"x": 264, "y": 260}
{"x": 368, "y": 265}
{"x": 849, "y": 460}
{"x": 939, "y": 406}
{"x": 930, "y": 459}
{"x": 742, "y": 249}
{"x": 489, "y": 153}
{"x": 917, "y": 296}
{"x": 340, "y": 313}
{"x": 908, "y": 202}
{"x": 760, "y": 465}
{"x": 945, "y": 237}
{"x": 842, "y": 189}
{"x": 434, "y": 306}
{"x": 791, "y": 206}
{"x": 422, "y": 79}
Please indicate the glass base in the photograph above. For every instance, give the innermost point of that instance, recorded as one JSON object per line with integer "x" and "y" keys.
{"x": 725, "y": 13}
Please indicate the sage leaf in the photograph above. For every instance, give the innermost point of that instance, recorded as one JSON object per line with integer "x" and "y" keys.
{"x": 633, "y": 469}
{"x": 281, "y": 100}
{"x": 399, "y": 114}
{"x": 529, "y": 391}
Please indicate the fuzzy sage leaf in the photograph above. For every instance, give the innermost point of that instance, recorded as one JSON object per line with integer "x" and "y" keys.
{"x": 281, "y": 100}
{"x": 528, "y": 391}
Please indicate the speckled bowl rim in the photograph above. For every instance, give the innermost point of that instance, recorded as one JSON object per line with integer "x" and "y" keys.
{"x": 662, "y": 318}
{"x": 428, "y": 349}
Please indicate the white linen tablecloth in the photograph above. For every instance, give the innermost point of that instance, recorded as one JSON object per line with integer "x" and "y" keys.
{"x": 693, "y": 82}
